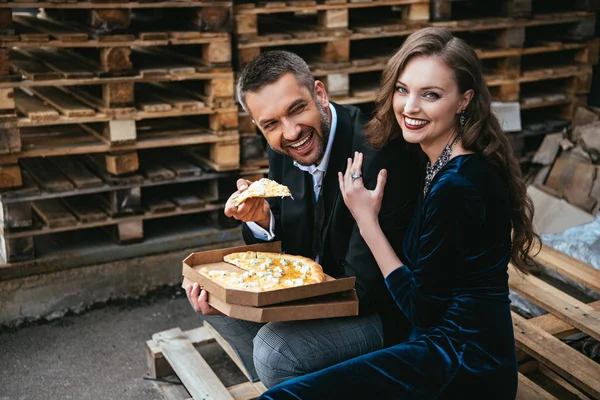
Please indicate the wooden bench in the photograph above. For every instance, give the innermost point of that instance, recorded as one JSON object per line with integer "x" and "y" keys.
{"x": 549, "y": 368}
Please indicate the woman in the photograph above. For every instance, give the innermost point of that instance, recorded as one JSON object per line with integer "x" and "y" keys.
{"x": 454, "y": 287}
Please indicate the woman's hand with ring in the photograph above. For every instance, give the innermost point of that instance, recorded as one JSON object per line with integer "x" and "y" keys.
{"x": 364, "y": 204}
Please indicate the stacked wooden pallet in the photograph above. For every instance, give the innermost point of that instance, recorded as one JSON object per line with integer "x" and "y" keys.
{"x": 539, "y": 54}
{"x": 543, "y": 57}
{"x": 108, "y": 111}
{"x": 345, "y": 42}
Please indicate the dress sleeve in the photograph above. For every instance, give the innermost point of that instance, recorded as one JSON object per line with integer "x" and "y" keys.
{"x": 452, "y": 210}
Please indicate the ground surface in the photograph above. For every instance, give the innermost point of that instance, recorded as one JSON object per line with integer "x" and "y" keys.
{"x": 99, "y": 354}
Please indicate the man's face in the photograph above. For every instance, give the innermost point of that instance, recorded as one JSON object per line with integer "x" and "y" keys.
{"x": 295, "y": 123}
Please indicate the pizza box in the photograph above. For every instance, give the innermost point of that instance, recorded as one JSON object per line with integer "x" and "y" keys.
{"x": 343, "y": 304}
{"x": 214, "y": 259}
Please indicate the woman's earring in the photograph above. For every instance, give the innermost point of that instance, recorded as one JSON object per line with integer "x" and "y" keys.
{"x": 462, "y": 119}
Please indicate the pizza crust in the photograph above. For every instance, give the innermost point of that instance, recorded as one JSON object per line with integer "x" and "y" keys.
{"x": 262, "y": 188}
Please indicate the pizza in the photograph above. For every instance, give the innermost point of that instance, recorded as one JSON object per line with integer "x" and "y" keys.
{"x": 262, "y": 188}
{"x": 261, "y": 271}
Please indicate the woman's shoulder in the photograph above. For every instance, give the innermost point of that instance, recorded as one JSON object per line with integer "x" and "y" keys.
{"x": 461, "y": 177}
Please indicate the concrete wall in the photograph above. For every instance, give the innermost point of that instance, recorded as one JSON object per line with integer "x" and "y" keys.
{"x": 50, "y": 295}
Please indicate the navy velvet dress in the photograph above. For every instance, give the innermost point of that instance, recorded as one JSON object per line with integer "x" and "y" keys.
{"x": 454, "y": 290}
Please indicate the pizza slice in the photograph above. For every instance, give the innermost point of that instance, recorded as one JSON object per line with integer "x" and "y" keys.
{"x": 236, "y": 280}
{"x": 262, "y": 188}
{"x": 292, "y": 270}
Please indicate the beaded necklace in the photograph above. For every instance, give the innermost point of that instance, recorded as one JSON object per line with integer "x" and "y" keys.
{"x": 442, "y": 160}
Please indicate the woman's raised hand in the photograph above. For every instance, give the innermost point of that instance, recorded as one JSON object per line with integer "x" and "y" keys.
{"x": 364, "y": 204}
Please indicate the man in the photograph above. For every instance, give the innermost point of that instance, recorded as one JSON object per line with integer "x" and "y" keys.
{"x": 310, "y": 139}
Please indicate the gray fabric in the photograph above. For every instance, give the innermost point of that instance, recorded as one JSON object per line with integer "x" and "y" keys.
{"x": 284, "y": 350}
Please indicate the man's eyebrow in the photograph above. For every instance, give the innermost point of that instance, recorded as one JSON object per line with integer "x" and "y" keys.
{"x": 294, "y": 103}
{"x": 423, "y": 88}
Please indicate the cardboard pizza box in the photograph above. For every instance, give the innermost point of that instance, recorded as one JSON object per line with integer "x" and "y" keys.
{"x": 343, "y": 304}
{"x": 214, "y": 259}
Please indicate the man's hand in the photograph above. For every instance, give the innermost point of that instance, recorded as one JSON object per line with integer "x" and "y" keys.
{"x": 255, "y": 209}
{"x": 199, "y": 300}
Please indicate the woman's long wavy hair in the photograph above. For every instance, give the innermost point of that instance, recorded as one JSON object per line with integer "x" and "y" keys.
{"x": 481, "y": 134}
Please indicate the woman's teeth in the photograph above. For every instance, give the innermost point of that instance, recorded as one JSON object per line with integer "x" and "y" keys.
{"x": 302, "y": 142}
{"x": 416, "y": 122}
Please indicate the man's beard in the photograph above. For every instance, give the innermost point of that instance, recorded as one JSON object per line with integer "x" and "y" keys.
{"x": 325, "y": 127}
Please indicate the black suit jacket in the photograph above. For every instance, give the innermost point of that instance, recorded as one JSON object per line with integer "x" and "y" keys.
{"x": 329, "y": 230}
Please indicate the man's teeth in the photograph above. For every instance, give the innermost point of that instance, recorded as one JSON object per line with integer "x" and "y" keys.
{"x": 417, "y": 122}
{"x": 301, "y": 142}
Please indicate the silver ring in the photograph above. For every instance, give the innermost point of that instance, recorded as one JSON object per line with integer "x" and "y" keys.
{"x": 355, "y": 176}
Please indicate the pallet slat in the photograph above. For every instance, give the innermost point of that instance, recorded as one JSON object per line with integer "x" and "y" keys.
{"x": 563, "y": 306}
{"x": 570, "y": 267}
{"x": 528, "y": 390}
{"x": 562, "y": 359}
{"x": 197, "y": 376}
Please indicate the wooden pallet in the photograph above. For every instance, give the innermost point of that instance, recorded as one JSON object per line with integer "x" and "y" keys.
{"x": 549, "y": 368}
{"x": 122, "y": 211}
{"x": 505, "y": 33}
{"x": 67, "y": 67}
{"x": 540, "y": 350}
{"x": 86, "y": 4}
{"x": 173, "y": 355}
{"x": 444, "y": 10}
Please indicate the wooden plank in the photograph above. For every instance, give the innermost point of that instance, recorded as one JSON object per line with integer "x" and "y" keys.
{"x": 157, "y": 204}
{"x": 32, "y": 69}
{"x": 181, "y": 167}
{"x": 33, "y": 108}
{"x": 562, "y": 359}
{"x": 60, "y": 61}
{"x": 557, "y": 327}
{"x": 197, "y": 376}
{"x": 64, "y": 103}
{"x": 181, "y": 102}
{"x": 46, "y": 174}
{"x": 97, "y": 163}
{"x": 570, "y": 267}
{"x": 186, "y": 201}
{"x": 84, "y": 209}
{"x": 77, "y": 172}
{"x": 528, "y": 390}
{"x": 54, "y": 213}
{"x": 563, "y": 306}
{"x": 155, "y": 171}
{"x": 62, "y": 32}
{"x": 158, "y": 366}
{"x": 559, "y": 380}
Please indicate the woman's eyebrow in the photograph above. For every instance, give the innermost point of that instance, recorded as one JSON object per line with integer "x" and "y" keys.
{"x": 423, "y": 88}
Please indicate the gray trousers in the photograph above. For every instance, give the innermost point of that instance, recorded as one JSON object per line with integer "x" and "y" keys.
{"x": 277, "y": 351}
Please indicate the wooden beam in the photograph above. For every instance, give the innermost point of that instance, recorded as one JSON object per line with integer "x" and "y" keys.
{"x": 197, "y": 376}
{"x": 528, "y": 390}
{"x": 557, "y": 327}
{"x": 158, "y": 365}
{"x": 562, "y": 359}
{"x": 570, "y": 267}
{"x": 563, "y": 306}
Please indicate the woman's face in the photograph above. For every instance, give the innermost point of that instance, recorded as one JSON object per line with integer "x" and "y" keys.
{"x": 427, "y": 102}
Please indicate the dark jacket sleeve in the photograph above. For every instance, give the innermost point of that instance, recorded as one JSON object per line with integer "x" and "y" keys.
{"x": 451, "y": 212}
{"x": 396, "y": 212}
{"x": 275, "y": 173}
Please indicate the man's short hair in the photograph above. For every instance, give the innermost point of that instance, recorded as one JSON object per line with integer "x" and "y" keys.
{"x": 268, "y": 68}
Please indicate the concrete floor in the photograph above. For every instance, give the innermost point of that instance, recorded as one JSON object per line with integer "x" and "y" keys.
{"x": 99, "y": 354}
